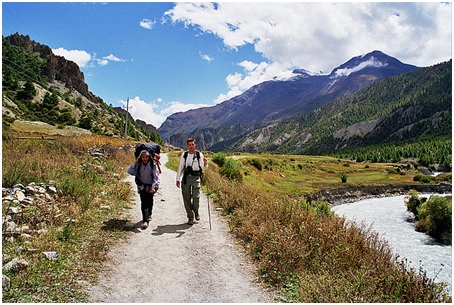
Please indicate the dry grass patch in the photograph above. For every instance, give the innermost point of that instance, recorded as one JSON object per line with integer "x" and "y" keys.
{"x": 76, "y": 223}
{"x": 306, "y": 251}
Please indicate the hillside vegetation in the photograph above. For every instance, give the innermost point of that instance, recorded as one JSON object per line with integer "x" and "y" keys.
{"x": 299, "y": 245}
{"x": 411, "y": 107}
{"x": 78, "y": 222}
{"x": 28, "y": 95}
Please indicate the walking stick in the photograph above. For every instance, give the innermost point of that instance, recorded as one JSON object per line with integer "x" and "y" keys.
{"x": 209, "y": 214}
{"x": 208, "y": 190}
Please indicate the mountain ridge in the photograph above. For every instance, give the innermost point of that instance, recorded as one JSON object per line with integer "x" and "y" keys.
{"x": 278, "y": 100}
{"x": 41, "y": 86}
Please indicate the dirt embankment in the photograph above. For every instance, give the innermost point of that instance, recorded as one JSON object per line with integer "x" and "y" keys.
{"x": 352, "y": 194}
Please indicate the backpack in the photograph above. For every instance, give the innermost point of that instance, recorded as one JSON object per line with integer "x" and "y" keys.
{"x": 185, "y": 156}
{"x": 197, "y": 154}
{"x": 152, "y": 149}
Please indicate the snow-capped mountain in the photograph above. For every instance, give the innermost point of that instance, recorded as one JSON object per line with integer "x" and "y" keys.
{"x": 279, "y": 100}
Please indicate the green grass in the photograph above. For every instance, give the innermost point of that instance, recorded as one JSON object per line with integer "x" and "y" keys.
{"x": 302, "y": 175}
{"x": 301, "y": 249}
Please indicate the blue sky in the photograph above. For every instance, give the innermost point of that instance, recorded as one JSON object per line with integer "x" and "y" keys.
{"x": 168, "y": 57}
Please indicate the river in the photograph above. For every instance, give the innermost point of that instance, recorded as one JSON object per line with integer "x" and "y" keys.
{"x": 389, "y": 217}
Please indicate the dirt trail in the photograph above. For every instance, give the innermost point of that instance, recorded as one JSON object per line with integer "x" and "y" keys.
{"x": 171, "y": 261}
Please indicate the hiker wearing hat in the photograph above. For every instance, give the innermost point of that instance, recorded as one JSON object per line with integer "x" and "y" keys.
{"x": 147, "y": 180}
{"x": 191, "y": 164}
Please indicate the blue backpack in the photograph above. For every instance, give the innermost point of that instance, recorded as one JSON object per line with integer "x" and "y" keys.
{"x": 151, "y": 148}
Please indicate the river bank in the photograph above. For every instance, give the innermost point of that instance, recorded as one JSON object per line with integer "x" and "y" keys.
{"x": 356, "y": 193}
{"x": 389, "y": 218}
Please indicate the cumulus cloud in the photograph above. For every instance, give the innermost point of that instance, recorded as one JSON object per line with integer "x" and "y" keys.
{"x": 320, "y": 36}
{"x": 145, "y": 111}
{"x": 156, "y": 112}
{"x": 147, "y": 24}
{"x": 80, "y": 57}
{"x": 112, "y": 57}
{"x": 106, "y": 59}
{"x": 83, "y": 59}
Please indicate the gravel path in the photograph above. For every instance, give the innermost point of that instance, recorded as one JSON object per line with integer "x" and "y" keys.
{"x": 171, "y": 261}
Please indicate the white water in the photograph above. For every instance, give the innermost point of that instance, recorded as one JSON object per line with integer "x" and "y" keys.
{"x": 389, "y": 217}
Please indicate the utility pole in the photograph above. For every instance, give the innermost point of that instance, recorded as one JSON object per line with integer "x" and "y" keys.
{"x": 127, "y": 115}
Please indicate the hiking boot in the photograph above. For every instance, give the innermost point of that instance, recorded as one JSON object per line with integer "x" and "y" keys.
{"x": 197, "y": 217}
{"x": 190, "y": 221}
{"x": 144, "y": 225}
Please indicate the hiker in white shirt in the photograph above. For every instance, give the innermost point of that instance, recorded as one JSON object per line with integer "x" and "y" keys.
{"x": 190, "y": 169}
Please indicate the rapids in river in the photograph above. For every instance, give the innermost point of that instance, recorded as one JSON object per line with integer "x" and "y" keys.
{"x": 389, "y": 217}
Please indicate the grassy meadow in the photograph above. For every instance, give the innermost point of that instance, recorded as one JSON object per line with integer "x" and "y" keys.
{"x": 300, "y": 249}
{"x": 303, "y": 249}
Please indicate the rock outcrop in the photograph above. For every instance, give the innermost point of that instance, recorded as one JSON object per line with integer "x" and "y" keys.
{"x": 57, "y": 68}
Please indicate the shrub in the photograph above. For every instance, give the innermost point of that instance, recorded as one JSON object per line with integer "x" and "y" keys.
{"x": 231, "y": 170}
{"x": 422, "y": 179}
{"x": 413, "y": 202}
{"x": 256, "y": 163}
{"x": 435, "y": 218}
{"x": 219, "y": 158}
{"x": 344, "y": 178}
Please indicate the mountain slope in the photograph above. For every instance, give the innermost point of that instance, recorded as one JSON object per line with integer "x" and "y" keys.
{"x": 408, "y": 106}
{"x": 40, "y": 86}
{"x": 279, "y": 100}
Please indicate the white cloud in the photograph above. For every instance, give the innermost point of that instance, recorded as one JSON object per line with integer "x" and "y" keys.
{"x": 112, "y": 57}
{"x": 106, "y": 59}
{"x": 372, "y": 62}
{"x": 177, "y": 106}
{"x": 206, "y": 57}
{"x": 102, "y": 62}
{"x": 153, "y": 113}
{"x": 320, "y": 36}
{"x": 80, "y": 57}
{"x": 83, "y": 59}
{"x": 140, "y": 109}
{"x": 147, "y": 24}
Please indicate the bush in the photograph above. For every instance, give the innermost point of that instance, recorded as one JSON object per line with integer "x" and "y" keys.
{"x": 256, "y": 163}
{"x": 413, "y": 202}
{"x": 231, "y": 170}
{"x": 344, "y": 178}
{"x": 219, "y": 158}
{"x": 422, "y": 179}
{"x": 435, "y": 218}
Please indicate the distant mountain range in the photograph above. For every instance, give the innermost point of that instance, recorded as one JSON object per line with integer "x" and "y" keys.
{"x": 286, "y": 115}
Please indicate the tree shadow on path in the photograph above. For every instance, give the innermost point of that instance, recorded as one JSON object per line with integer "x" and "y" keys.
{"x": 172, "y": 229}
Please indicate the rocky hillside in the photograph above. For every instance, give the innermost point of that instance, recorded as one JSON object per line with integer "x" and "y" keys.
{"x": 388, "y": 109}
{"x": 39, "y": 86}
{"x": 407, "y": 107}
{"x": 279, "y": 100}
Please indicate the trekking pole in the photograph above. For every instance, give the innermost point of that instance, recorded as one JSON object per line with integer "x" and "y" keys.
{"x": 209, "y": 214}
{"x": 208, "y": 190}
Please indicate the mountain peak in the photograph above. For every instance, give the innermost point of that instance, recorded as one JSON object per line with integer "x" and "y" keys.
{"x": 372, "y": 60}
